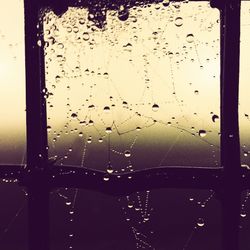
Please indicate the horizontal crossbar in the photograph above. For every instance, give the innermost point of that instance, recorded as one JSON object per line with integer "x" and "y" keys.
{"x": 123, "y": 183}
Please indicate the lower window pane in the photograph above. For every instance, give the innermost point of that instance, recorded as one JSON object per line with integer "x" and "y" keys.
{"x": 13, "y": 216}
{"x": 159, "y": 219}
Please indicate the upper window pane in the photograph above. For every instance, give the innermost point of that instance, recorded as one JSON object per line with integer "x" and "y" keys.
{"x": 138, "y": 93}
{"x": 12, "y": 83}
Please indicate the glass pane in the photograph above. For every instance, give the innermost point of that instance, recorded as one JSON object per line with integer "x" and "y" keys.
{"x": 12, "y": 83}
{"x": 139, "y": 93}
{"x": 244, "y": 107}
{"x": 159, "y": 219}
{"x": 13, "y": 216}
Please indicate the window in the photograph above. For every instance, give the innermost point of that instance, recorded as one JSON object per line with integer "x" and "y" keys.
{"x": 89, "y": 124}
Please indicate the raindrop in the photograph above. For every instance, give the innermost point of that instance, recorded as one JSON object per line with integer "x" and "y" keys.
{"x": 202, "y": 133}
{"x": 243, "y": 214}
{"x": 245, "y": 166}
{"x": 215, "y": 118}
{"x": 155, "y": 107}
{"x": 124, "y": 104}
{"x": 178, "y": 21}
{"x": 85, "y": 36}
{"x": 92, "y": 106}
{"x": 123, "y": 14}
{"x": 200, "y": 222}
{"x": 106, "y": 177}
{"x": 100, "y": 140}
{"x": 130, "y": 204}
{"x": 196, "y": 92}
{"x": 106, "y": 109}
{"x": 127, "y": 153}
{"x": 74, "y": 115}
{"x": 81, "y": 134}
{"x": 48, "y": 128}
{"x": 109, "y": 169}
{"x": 91, "y": 122}
{"x": 190, "y": 38}
{"x": 39, "y": 43}
{"x": 133, "y": 19}
{"x": 81, "y": 21}
{"x": 89, "y": 140}
{"x": 165, "y": 3}
{"x": 108, "y": 130}
{"x": 68, "y": 203}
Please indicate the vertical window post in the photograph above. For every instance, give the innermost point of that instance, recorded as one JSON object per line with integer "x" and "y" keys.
{"x": 230, "y": 143}
{"x": 35, "y": 178}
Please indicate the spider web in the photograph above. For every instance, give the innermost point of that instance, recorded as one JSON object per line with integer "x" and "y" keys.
{"x": 122, "y": 98}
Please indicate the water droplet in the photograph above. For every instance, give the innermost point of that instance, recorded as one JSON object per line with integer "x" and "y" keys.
{"x": 74, "y": 115}
{"x": 215, "y": 118}
{"x": 81, "y": 134}
{"x": 100, "y": 139}
{"x": 130, "y": 204}
{"x": 48, "y": 128}
{"x": 155, "y": 107}
{"x": 91, "y": 122}
{"x": 243, "y": 214}
{"x": 109, "y": 169}
{"x": 165, "y": 3}
{"x": 123, "y": 14}
{"x": 39, "y": 43}
{"x": 245, "y": 166}
{"x": 190, "y": 38}
{"x": 200, "y": 222}
{"x": 196, "y": 92}
{"x": 178, "y": 21}
{"x": 81, "y": 21}
{"x": 127, "y": 153}
{"x": 85, "y": 36}
{"x": 124, "y": 104}
{"x": 89, "y": 140}
{"x": 133, "y": 19}
{"x": 68, "y": 203}
{"x": 108, "y": 130}
{"x": 106, "y": 177}
{"x": 202, "y": 133}
{"x": 138, "y": 128}
{"x": 106, "y": 109}
{"x": 92, "y": 106}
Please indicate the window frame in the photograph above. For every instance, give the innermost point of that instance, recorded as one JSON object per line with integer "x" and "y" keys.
{"x": 40, "y": 177}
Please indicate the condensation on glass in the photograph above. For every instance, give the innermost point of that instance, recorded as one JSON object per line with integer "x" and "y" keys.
{"x": 12, "y": 84}
{"x": 138, "y": 93}
{"x": 244, "y": 104}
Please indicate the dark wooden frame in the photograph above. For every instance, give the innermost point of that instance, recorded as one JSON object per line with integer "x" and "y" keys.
{"x": 40, "y": 177}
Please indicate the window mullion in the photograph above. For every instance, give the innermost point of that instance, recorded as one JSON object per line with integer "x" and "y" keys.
{"x": 34, "y": 177}
{"x": 230, "y": 146}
